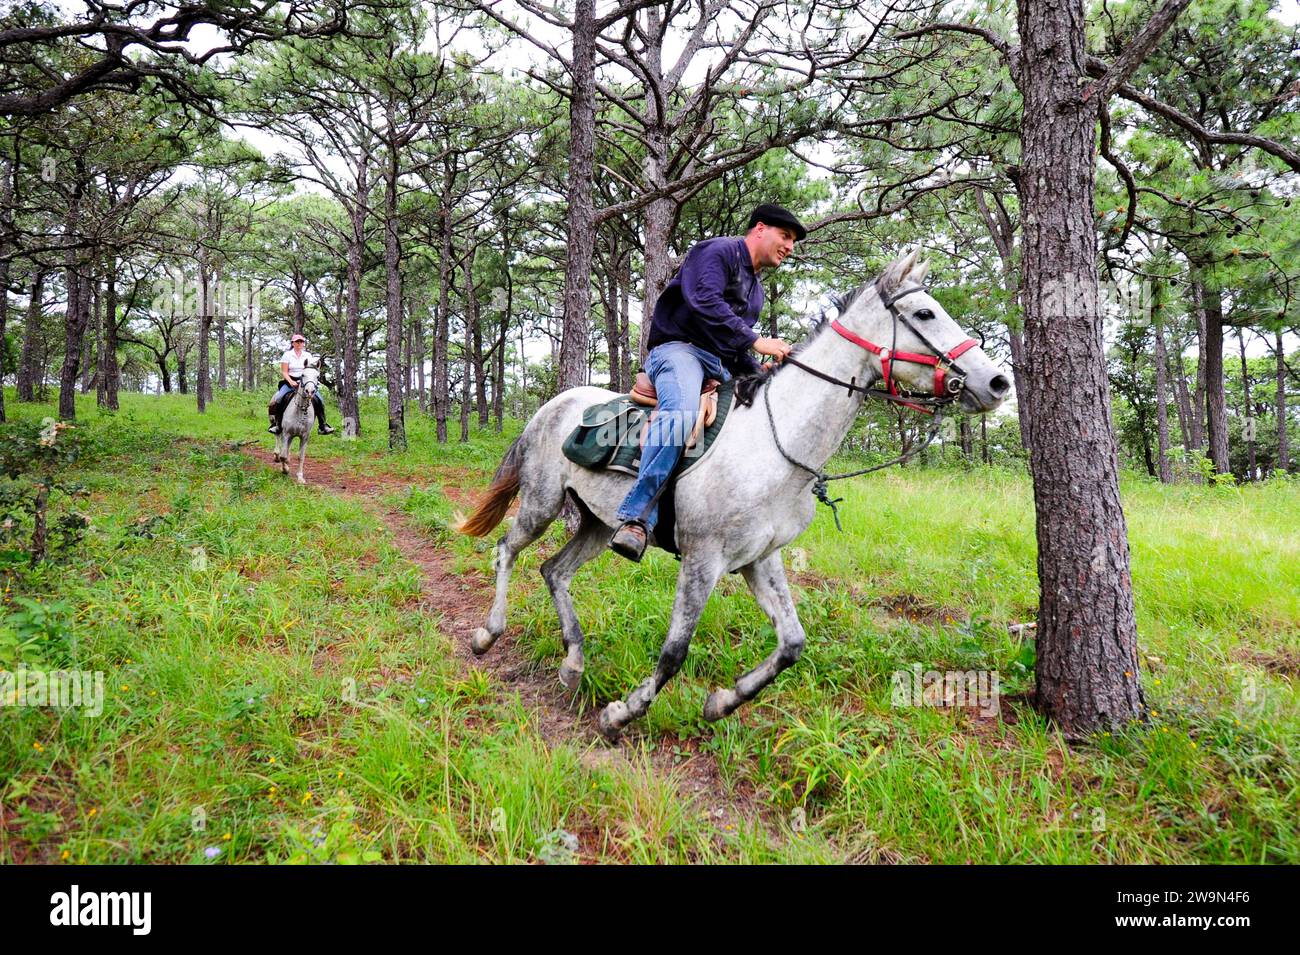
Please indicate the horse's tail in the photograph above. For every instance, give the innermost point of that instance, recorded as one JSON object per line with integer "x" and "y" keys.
{"x": 504, "y": 487}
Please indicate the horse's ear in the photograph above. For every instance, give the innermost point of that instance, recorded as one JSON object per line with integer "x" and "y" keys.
{"x": 919, "y": 273}
{"x": 897, "y": 272}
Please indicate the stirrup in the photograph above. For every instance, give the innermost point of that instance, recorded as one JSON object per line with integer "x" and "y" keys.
{"x": 626, "y": 542}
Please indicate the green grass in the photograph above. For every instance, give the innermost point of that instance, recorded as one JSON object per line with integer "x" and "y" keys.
{"x": 284, "y": 698}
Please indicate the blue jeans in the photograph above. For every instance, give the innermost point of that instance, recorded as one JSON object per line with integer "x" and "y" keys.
{"x": 678, "y": 370}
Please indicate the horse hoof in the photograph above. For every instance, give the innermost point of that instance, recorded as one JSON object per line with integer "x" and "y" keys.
{"x": 612, "y": 720}
{"x": 719, "y": 704}
{"x": 481, "y": 642}
{"x": 569, "y": 676}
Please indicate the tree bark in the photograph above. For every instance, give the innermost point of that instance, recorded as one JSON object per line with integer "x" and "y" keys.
{"x": 1183, "y": 400}
{"x": 109, "y": 373}
{"x": 393, "y": 342}
{"x": 4, "y": 322}
{"x": 1248, "y": 413}
{"x": 581, "y": 242}
{"x": 1087, "y": 672}
{"x": 220, "y": 317}
{"x": 1283, "y": 452}
{"x": 1216, "y": 400}
{"x": 75, "y": 321}
{"x": 31, "y": 340}
{"x": 90, "y": 343}
{"x": 349, "y": 405}
{"x": 441, "y": 365}
{"x": 1162, "y": 393}
{"x": 203, "y": 386}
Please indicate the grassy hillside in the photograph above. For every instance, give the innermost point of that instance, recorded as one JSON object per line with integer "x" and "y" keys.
{"x": 278, "y": 688}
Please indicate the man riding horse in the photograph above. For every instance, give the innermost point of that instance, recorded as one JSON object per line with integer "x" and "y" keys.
{"x": 703, "y": 328}
{"x": 292, "y": 363}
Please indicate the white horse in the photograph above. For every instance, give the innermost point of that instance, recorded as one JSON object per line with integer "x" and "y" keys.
{"x": 751, "y": 495}
{"x": 298, "y": 420}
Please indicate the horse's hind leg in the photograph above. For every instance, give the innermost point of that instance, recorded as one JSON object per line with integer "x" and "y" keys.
{"x": 698, "y": 576}
{"x": 766, "y": 579}
{"x": 538, "y": 506}
{"x": 558, "y": 571}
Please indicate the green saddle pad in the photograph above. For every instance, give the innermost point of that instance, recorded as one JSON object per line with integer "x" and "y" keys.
{"x": 609, "y": 437}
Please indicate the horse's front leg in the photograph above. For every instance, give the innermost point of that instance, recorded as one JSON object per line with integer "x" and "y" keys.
{"x": 698, "y": 576}
{"x": 766, "y": 579}
{"x": 302, "y": 454}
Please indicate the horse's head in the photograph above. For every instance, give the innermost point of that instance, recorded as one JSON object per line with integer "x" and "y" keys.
{"x": 899, "y": 316}
{"x": 310, "y": 381}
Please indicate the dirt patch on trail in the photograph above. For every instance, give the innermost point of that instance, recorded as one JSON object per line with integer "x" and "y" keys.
{"x": 1284, "y": 662}
{"x": 461, "y": 602}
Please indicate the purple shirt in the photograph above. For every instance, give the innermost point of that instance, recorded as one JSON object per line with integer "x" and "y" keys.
{"x": 713, "y": 302}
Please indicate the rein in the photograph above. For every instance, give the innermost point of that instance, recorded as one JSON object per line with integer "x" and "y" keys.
{"x": 946, "y": 390}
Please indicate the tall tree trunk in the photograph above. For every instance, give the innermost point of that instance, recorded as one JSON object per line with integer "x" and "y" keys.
{"x": 471, "y": 334}
{"x": 624, "y": 317}
{"x": 75, "y": 321}
{"x": 75, "y": 316}
{"x": 393, "y": 341}
{"x": 1087, "y": 671}
{"x": 1162, "y": 392}
{"x": 1247, "y": 410}
{"x": 1283, "y": 452}
{"x": 250, "y": 372}
{"x": 109, "y": 372}
{"x": 4, "y": 324}
{"x": 1216, "y": 399}
{"x": 203, "y": 386}
{"x": 7, "y": 168}
{"x": 408, "y": 351}
{"x": 441, "y": 364}
{"x": 417, "y": 330}
{"x": 1183, "y": 400}
{"x": 31, "y": 340}
{"x": 1198, "y": 404}
{"x": 90, "y": 343}
{"x": 609, "y": 309}
{"x": 221, "y": 318}
{"x": 581, "y": 240}
{"x": 349, "y": 404}
{"x": 480, "y": 376}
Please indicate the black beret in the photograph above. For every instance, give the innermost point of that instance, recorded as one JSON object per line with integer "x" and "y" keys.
{"x": 770, "y": 214}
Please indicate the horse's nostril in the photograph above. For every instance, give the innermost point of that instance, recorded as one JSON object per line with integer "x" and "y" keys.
{"x": 999, "y": 385}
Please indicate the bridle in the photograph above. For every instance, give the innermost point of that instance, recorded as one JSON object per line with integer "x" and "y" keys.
{"x": 947, "y": 386}
{"x": 947, "y": 389}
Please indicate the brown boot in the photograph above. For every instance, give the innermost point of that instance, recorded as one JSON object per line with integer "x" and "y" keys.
{"x": 629, "y": 541}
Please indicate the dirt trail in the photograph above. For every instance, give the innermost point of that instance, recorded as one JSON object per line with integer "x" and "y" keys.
{"x": 461, "y": 602}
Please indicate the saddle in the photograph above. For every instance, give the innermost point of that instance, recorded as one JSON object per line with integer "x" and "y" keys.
{"x": 643, "y": 393}
{"x": 612, "y": 433}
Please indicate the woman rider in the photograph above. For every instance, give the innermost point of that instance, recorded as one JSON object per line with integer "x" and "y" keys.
{"x": 292, "y": 362}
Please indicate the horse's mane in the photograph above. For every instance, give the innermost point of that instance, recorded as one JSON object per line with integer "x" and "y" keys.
{"x": 747, "y": 385}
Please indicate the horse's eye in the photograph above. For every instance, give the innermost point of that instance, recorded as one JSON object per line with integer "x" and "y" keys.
{"x": 924, "y": 314}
